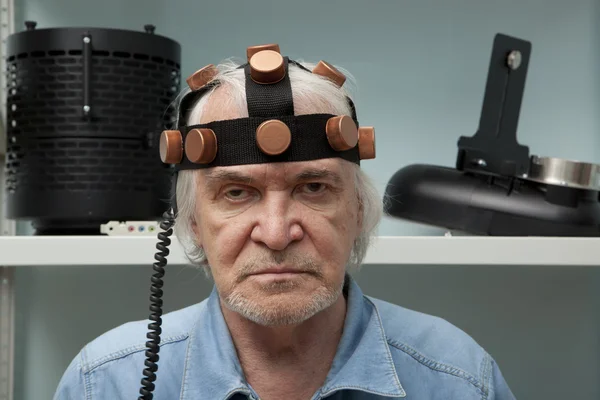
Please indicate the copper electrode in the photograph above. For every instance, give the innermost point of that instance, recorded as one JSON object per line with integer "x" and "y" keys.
{"x": 200, "y": 78}
{"x": 201, "y": 146}
{"x": 267, "y": 67}
{"x": 273, "y": 137}
{"x": 366, "y": 142}
{"x": 171, "y": 147}
{"x": 252, "y": 50}
{"x": 342, "y": 132}
{"x": 329, "y": 71}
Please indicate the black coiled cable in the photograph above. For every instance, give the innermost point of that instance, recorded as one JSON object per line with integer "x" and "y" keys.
{"x": 156, "y": 306}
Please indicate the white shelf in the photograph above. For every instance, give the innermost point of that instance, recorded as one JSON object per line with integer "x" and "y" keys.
{"x": 402, "y": 250}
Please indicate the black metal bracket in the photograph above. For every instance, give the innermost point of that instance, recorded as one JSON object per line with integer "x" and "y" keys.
{"x": 494, "y": 149}
{"x": 86, "y": 108}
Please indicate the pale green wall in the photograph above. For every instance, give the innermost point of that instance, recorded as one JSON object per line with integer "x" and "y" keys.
{"x": 421, "y": 69}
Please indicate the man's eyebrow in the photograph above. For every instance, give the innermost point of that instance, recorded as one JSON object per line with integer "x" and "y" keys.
{"x": 311, "y": 174}
{"x": 239, "y": 177}
{"x": 231, "y": 176}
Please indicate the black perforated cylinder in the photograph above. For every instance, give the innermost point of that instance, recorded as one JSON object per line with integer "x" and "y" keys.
{"x": 85, "y": 108}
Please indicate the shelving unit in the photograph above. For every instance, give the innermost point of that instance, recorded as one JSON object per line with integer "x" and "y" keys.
{"x": 82, "y": 252}
{"x": 7, "y": 227}
{"x": 16, "y": 251}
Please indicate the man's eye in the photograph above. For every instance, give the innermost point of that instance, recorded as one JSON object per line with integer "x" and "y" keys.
{"x": 314, "y": 187}
{"x": 236, "y": 194}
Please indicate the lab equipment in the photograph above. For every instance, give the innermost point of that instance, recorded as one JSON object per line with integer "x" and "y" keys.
{"x": 496, "y": 187}
{"x": 85, "y": 108}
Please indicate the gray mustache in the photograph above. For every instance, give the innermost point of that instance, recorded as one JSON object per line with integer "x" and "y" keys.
{"x": 293, "y": 260}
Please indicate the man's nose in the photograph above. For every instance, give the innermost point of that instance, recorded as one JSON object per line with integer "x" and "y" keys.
{"x": 277, "y": 224}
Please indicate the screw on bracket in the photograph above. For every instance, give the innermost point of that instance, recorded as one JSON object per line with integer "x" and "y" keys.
{"x": 514, "y": 59}
{"x": 479, "y": 162}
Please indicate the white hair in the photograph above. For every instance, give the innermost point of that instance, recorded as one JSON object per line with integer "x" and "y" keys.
{"x": 311, "y": 94}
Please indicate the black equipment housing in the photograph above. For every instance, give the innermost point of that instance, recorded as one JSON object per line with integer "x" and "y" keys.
{"x": 85, "y": 108}
{"x": 490, "y": 192}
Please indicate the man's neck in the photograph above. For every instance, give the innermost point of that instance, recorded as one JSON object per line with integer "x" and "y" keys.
{"x": 306, "y": 349}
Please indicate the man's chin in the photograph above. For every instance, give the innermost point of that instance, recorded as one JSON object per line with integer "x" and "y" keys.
{"x": 278, "y": 316}
{"x": 278, "y": 304}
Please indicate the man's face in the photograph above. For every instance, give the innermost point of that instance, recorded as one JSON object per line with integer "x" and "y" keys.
{"x": 278, "y": 236}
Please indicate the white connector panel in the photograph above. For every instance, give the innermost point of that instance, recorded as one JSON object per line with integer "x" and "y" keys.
{"x": 130, "y": 228}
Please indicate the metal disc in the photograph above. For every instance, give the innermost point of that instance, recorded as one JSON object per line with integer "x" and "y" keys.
{"x": 562, "y": 172}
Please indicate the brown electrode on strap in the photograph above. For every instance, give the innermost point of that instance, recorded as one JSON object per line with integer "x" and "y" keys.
{"x": 201, "y": 146}
{"x": 329, "y": 71}
{"x": 266, "y": 67}
{"x": 171, "y": 147}
{"x": 273, "y": 137}
{"x": 252, "y": 50}
{"x": 200, "y": 78}
{"x": 342, "y": 132}
{"x": 366, "y": 142}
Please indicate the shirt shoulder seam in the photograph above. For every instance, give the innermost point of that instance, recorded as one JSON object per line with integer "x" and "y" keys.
{"x": 384, "y": 338}
{"x": 92, "y": 365}
{"x": 87, "y": 387}
{"x": 486, "y": 373}
{"x": 438, "y": 366}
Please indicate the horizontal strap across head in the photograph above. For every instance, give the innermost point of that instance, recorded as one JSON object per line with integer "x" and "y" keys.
{"x": 257, "y": 140}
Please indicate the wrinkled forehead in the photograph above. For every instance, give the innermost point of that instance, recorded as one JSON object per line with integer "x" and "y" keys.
{"x": 335, "y": 171}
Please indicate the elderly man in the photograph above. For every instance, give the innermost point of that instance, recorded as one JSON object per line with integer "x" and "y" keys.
{"x": 272, "y": 203}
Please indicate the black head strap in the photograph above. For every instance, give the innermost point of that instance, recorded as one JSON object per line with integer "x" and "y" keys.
{"x": 238, "y": 142}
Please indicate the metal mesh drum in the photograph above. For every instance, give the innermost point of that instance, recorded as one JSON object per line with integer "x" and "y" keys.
{"x": 85, "y": 108}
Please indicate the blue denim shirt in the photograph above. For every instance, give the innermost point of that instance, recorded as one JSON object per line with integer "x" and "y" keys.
{"x": 386, "y": 352}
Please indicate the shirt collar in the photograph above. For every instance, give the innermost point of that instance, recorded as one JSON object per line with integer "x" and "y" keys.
{"x": 212, "y": 368}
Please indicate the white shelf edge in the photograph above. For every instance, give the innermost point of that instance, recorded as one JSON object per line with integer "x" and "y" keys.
{"x": 18, "y": 251}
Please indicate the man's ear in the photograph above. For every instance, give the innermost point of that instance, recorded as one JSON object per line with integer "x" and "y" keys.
{"x": 196, "y": 229}
{"x": 361, "y": 211}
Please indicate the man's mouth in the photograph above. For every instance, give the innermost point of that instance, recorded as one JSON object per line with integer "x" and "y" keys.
{"x": 278, "y": 270}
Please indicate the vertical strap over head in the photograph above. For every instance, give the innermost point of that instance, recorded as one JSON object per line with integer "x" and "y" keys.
{"x": 268, "y": 99}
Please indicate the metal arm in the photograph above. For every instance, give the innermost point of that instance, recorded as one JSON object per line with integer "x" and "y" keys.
{"x": 494, "y": 149}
